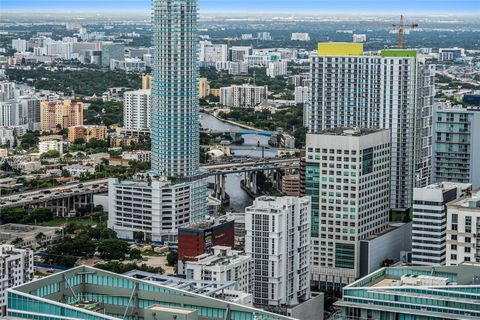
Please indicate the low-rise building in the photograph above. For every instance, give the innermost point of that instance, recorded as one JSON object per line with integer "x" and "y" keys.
{"x": 45, "y": 146}
{"x": 76, "y": 170}
{"x": 138, "y": 155}
{"x": 222, "y": 264}
{"x": 95, "y": 132}
{"x": 75, "y": 133}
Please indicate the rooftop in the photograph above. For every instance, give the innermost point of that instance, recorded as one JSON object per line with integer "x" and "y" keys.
{"x": 112, "y": 296}
{"x": 445, "y": 186}
{"x": 354, "y": 132}
{"x": 471, "y": 201}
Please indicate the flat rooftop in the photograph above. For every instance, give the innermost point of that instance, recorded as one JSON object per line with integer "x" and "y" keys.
{"x": 349, "y": 132}
{"x": 470, "y": 201}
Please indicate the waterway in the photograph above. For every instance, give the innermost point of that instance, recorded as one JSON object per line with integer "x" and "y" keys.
{"x": 239, "y": 198}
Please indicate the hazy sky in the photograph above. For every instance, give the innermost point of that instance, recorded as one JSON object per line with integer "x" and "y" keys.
{"x": 391, "y": 6}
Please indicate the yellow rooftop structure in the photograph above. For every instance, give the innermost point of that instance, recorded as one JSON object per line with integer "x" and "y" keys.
{"x": 340, "y": 49}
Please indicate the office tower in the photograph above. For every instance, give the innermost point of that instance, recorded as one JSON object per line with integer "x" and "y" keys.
{"x": 429, "y": 233}
{"x": 391, "y": 90}
{"x": 413, "y": 293}
{"x": 278, "y": 239}
{"x": 203, "y": 88}
{"x": 347, "y": 177}
{"x": 177, "y": 193}
{"x": 301, "y": 94}
{"x": 16, "y": 269}
{"x": 245, "y": 95}
{"x": 299, "y": 36}
{"x": 19, "y": 45}
{"x": 115, "y": 51}
{"x": 221, "y": 265}
{"x": 31, "y": 112}
{"x": 60, "y": 115}
{"x": 456, "y": 145}
{"x": 137, "y": 109}
{"x": 276, "y": 68}
{"x": 212, "y": 53}
{"x": 463, "y": 229}
{"x": 146, "y": 82}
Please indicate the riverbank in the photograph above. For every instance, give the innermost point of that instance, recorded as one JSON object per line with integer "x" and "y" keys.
{"x": 241, "y": 125}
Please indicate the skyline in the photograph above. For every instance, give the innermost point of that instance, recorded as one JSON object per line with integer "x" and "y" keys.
{"x": 273, "y": 6}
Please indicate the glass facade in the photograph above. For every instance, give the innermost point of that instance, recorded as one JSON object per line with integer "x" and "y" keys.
{"x": 175, "y": 105}
{"x": 114, "y": 296}
{"x": 382, "y": 295}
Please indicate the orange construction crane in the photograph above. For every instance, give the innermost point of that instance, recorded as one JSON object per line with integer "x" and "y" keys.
{"x": 401, "y": 26}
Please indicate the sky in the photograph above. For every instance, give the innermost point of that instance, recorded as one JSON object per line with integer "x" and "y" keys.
{"x": 319, "y": 6}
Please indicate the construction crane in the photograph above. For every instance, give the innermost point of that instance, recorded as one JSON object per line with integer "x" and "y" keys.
{"x": 401, "y": 27}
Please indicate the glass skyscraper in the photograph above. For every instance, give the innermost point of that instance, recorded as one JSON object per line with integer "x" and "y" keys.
{"x": 175, "y": 108}
{"x": 177, "y": 193}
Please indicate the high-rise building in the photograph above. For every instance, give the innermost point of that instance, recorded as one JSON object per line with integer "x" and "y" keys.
{"x": 301, "y": 94}
{"x": 278, "y": 239}
{"x": 115, "y": 51}
{"x": 60, "y": 114}
{"x": 212, "y": 53}
{"x": 413, "y": 293}
{"x": 245, "y": 96}
{"x": 19, "y": 45}
{"x": 392, "y": 90}
{"x": 221, "y": 265}
{"x": 146, "y": 82}
{"x": 347, "y": 176}
{"x": 177, "y": 193}
{"x": 463, "y": 229}
{"x": 203, "y": 88}
{"x": 276, "y": 68}
{"x": 429, "y": 230}
{"x": 238, "y": 53}
{"x": 137, "y": 109}
{"x": 456, "y": 145}
{"x": 16, "y": 268}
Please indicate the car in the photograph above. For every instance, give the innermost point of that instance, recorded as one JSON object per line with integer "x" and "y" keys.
{"x": 47, "y": 191}
{"x": 80, "y": 185}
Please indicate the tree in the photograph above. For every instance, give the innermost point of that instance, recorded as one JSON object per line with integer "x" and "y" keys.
{"x": 135, "y": 254}
{"x": 172, "y": 258}
{"x": 112, "y": 249}
{"x": 50, "y": 154}
{"x": 118, "y": 267}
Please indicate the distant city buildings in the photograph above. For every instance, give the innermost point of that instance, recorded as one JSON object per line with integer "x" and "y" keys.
{"x": 137, "y": 109}
{"x": 456, "y": 155}
{"x": 128, "y": 65}
{"x": 238, "y": 53}
{"x": 146, "y": 82}
{"x": 278, "y": 240}
{"x": 264, "y": 36}
{"x": 299, "y": 36}
{"x": 16, "y": 268}
{"x": 243, "y": 96}
{"x": 203, "y": 88}
{"x": 20, "y": 45}
{"x": 50, "y": 145}
{"x": 347, "y": 174}
{"x": 276, "y": 68}
{"x": 212, "y": 53}
{"x": 110, "y": 52}
{"x": 397, "y": 90}
{"x": 429, "y": 233}
{"x": 359, "y": 38}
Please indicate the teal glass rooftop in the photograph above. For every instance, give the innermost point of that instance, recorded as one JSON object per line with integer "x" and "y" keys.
{"x": 93, "y": 294}
{"x": 428, "y": 293}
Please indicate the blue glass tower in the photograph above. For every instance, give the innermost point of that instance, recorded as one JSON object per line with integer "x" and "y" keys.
{"x": 175, "y": 108}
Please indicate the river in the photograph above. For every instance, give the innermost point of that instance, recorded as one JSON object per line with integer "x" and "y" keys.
{"x": 238, "y": 198}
